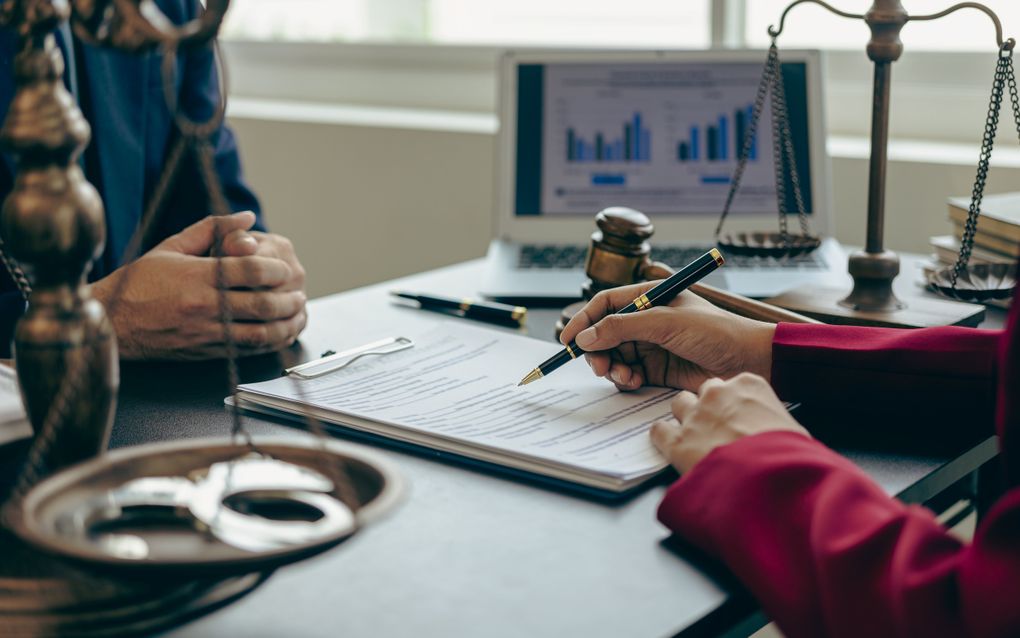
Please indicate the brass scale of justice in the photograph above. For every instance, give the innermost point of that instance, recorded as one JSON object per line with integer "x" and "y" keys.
{"x": 619, "y": 253}
{"x": 139, "y": 539}
{"x": 72, "y": 501}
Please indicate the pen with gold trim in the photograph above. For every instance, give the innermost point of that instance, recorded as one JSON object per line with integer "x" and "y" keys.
{"x": 482, "y": 310}
{"x": 660, "y": 295}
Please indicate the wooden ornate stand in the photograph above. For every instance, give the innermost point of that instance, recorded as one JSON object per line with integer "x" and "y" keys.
{"x": 54, "y": 224}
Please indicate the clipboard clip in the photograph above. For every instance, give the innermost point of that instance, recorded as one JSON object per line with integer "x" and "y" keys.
{"x": 340, "y": 360}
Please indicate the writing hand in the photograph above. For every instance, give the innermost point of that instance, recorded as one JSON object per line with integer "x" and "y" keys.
{"x": 680, "y": 345}
{"x": 722, "y": 412}
{"x": 169, "y": 305}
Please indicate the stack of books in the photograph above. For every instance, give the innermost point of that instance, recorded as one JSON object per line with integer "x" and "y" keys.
{"x": 997, "y": 239}
{"x": 998, "y": 233}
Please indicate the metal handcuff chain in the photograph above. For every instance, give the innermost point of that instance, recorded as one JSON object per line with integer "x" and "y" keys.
{"x": 197, "y": 136}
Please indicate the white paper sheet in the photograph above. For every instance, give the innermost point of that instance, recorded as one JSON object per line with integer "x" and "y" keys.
{"x": 13, "y": 421}
{"x": 461, "y": 385}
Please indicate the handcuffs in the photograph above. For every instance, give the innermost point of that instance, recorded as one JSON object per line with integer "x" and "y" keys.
{"x": 226, "y": 501}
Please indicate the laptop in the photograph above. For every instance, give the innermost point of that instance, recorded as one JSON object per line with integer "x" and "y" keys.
{"x": 656, "y": 131}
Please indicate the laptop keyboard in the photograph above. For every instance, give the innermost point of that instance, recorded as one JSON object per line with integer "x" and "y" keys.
{"x": 557, "y": 256}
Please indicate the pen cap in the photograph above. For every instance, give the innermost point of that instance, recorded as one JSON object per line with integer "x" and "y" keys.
{"x": 496, "y": 313}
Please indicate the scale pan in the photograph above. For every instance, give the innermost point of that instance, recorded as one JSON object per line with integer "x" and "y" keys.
{"x": 977, "y": 283}
{"x": 760, "y": 244}
{"x": 87, "y": 515}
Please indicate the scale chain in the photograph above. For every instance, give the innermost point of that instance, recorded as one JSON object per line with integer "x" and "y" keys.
{"x": 198, "y": 136}
{"x": 778, "y": 139}
{"x": 782, "y": 148}
{"x": 1004, "y": 76}
{"x": 16, "y": 272}
{"x": 748, "y": 141}
{"x": 779, "y": 91}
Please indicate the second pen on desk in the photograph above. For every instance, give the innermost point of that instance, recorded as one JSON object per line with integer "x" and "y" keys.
{"x": 660, "y": 295}
{"x": 481, "y": 310}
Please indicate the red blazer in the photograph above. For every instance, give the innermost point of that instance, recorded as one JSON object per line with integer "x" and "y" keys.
{"x": 819, "y": 544}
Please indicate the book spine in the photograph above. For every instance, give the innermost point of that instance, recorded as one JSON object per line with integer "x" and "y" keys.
{"x": 947, "y": 249}
{"x": 986, "y": 224}
{"x": 992, "y": 243}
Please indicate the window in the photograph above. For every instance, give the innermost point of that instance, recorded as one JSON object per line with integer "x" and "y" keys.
{"x": 326, "y": 20}
{"x": 281, "y": 49}
{"x": 645, "y": 23}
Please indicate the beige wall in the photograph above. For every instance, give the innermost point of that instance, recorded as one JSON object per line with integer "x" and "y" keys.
{"x": 915, "y": 202}
{"x": 365, "y": 204}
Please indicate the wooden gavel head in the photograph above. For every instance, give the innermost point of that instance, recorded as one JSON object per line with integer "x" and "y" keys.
{"x": 619, "y": 252}
{"x": 618, "y": 255}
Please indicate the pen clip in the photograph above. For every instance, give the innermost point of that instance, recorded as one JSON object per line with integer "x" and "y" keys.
{"x": 347, "y": 357}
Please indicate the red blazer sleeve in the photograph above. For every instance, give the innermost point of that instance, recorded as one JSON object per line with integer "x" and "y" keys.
{"x": 827, "y": 553}
{"x": 903, "y": 382}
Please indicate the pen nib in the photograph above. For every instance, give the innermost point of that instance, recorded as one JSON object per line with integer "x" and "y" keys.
{"x": 534, "y": 375}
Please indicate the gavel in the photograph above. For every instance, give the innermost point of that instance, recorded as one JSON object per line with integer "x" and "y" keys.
{"x": 619, "y": 254}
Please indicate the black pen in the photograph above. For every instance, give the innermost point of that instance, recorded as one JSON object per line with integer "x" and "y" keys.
{"x": 660, "y": 295}
{"x": 482, "y": 310}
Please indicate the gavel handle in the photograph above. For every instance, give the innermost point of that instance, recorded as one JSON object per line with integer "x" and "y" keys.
{"x": 737, "y": 304}
{"x": 747, "y": 307}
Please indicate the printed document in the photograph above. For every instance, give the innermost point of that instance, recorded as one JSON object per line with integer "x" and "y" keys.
{"x": 14, "y": 423}
{"x": 456, "y": 390}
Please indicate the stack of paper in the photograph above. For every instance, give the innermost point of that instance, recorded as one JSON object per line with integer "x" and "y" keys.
{"x": 456, "y": 391}
{"x": 13, "y": 421}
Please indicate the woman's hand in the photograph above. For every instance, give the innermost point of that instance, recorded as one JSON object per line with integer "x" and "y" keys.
{"x": 680, "y": 345}
{"x": 722, "y": 412}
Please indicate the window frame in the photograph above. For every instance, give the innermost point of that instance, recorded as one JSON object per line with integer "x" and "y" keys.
{"x": 940, "y": 96}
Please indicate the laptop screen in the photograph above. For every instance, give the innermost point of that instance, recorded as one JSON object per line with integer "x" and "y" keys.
{"x": 662, "y": 137}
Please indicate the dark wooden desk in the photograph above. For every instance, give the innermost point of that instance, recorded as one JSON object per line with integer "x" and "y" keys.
{"x": 470, "y": 553}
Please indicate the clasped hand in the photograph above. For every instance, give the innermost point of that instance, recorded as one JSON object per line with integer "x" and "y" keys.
{"x": 169, "y": 305}
{"x": 693, "y": 346}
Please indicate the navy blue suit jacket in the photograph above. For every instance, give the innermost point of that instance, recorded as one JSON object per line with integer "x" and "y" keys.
{"x": 132, "y": 132}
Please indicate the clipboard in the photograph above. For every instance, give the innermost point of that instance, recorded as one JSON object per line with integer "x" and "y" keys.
{"x": 340, "y": 360}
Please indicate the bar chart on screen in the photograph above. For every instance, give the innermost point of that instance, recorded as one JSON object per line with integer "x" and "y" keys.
{"x": 661, "y": 137}
{"x": 714, "y": 141}
{"x": 632, "y": 144}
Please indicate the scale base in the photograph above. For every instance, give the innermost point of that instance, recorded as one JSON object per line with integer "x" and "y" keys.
{"x": 42, "y": 596}
{"x": 822, "y": 303}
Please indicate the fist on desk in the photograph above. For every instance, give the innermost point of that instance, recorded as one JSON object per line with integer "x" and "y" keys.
{"x": 169, "y": 304}
{"x": 243, "y": 243}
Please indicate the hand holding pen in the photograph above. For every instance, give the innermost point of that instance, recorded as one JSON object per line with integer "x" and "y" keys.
{"x": 657, "y": 294}
{"x": 679, "y": 345}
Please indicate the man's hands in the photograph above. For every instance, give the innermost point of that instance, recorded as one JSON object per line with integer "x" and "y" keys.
{"x": 681, "y": 345}
{"x": 169, "y": 304}
{"x": 241, "y": 243}
{"x": 722, "y": 412}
